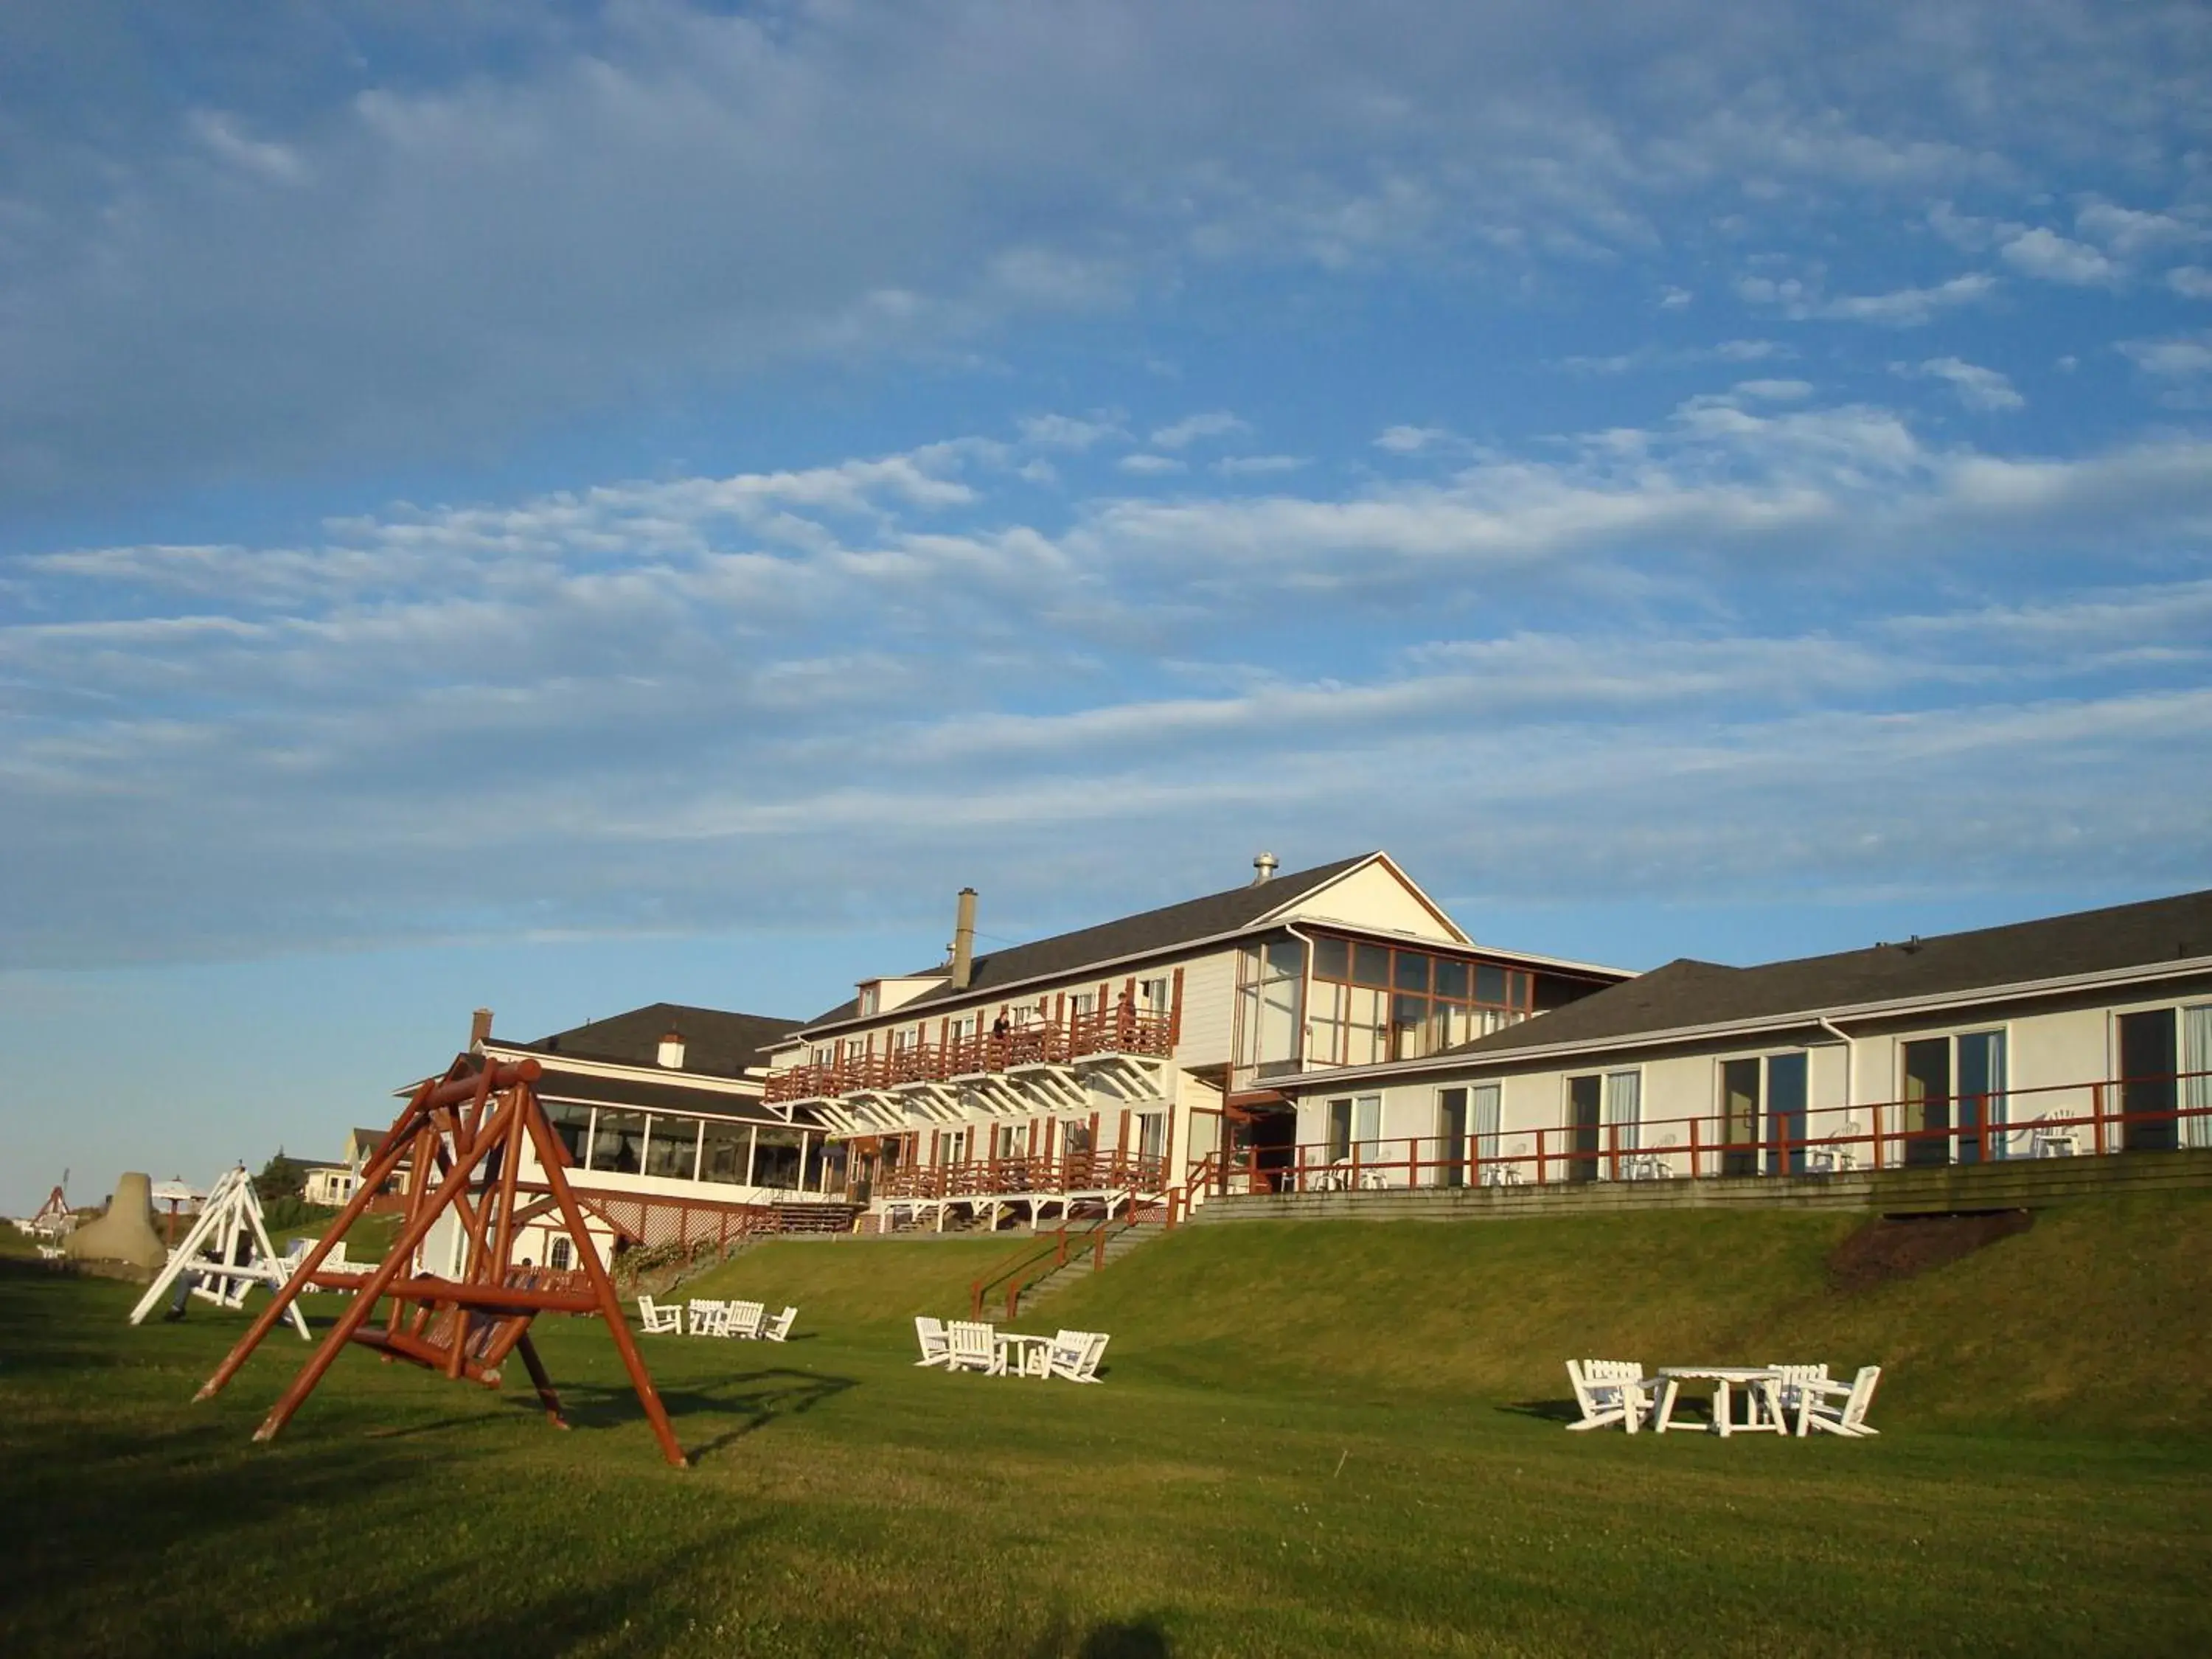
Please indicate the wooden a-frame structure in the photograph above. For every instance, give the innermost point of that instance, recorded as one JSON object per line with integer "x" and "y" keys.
{"x": 228, "y": 1252}
{"x": 466, "y": 1134}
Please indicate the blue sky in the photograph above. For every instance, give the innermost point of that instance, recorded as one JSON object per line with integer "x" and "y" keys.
{"x": 564, "y": 507}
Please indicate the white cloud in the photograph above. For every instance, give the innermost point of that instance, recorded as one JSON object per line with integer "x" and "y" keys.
{"x": 1066, "y": 431}
{"x": 1247, "y": 466}
{"x": 1977, "y": 387}
{"x": 1774, "y": 391}
{"x": 1904, "y": 307}
{"x": 1215, "y": 423}
{"x": 2130, "y": 231}
{"x": 2180, "y": 357}
{"x": 2190, "y": 281}
{"x": 1412, "y": 440}
{"x": 1675, "y": 299}
{"x": 2050, "y": 257}
{"x": 1150, "y": 466}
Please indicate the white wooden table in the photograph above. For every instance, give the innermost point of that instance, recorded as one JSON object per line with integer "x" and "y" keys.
{"x": 1023, "y": 1355}
{"x": 1758, "y": 1383}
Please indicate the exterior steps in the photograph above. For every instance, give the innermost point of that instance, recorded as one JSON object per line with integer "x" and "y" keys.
{"x": 2007, "y": 1184}
{"x": 1077, "y": 1266}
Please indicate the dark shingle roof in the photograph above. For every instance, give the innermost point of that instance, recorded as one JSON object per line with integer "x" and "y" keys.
{"x": 717, "y": 1043}
{"x": 1688, "y": 993}
{"x": 1151, "y": 930}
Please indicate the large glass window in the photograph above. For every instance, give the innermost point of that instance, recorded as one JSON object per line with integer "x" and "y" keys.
{"x": 724, "y": 1152}
{"x": 572, "y": 1123}
{"x": 672, "y": 1151}
{"x": 618, "y": 1142}
{"x": 1378, "y": 1002}
{"x": 775, "y": 1157}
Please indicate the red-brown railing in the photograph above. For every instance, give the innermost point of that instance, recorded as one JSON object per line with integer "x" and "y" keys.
{"x": 1047, "y": 1253}
{"x": 1868, "y": 1136}
{"x": 1068, "y": 1172}
{"x": 1038, "y": 1041}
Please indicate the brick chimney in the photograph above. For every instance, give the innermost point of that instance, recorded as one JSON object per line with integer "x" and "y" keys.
{"x": 479, "y": 1028}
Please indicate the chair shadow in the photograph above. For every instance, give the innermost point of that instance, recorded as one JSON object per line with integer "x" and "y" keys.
{"x": 1134, "y": 1638}
{"x": 1550, "y": 1411}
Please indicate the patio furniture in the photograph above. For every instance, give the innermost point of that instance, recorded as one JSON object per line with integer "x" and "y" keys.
{"x": 1646, "y": 1166}
{"x": 1838, "y": 1407}
{"x": 1075, "y": 1356}
{"x": 1789, "y": 1392}
{"x": 745, "y": 1319}
{"x": 660, "y": 1321}
{"x": 974, "y": 1347}
{"x": 709, "y": 1318}
{"x": 2048, "y": 1139}
{"x": 1832, "y": 1158}
{"x": 1502, "y": 1175}
{"x": 778, "y": 1328}
{"x": 1760, "y": 1385}
{"x": 1610, "y": 1391}
{"x": 1023, "y": 1354}
{"x": 936, "y": 1347}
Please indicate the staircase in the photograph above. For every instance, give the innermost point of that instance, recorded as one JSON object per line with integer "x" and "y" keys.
{"x": 1082, "y": 1264}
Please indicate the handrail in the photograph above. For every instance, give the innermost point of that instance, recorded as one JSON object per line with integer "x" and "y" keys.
{"x": 1830, "y": 1141}
{"x": 1116, "y": 1029}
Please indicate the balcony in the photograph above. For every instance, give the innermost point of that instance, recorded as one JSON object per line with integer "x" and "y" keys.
{"x": 1072, "y": 1174}
{"x": 1095, "y": 1037}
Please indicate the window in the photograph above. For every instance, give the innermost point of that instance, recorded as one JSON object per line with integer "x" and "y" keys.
{"x": 572, "y": 1123}
{"x": 1585, "y": 1109}
{"x": 775, "y": 1156}
{"x": 871, "y": 996}
{"x": 1762, "y": 1111}
{"x": 1154, "y": 995}
{"x": 1952, "y": 1097}
{"x": 1624, "y": 1110}
{"x": 1370, "y": 964}
{"x": 1332, "y": 958}
{"x": 1339, "y": 1130}
{"x": 1080, "y": 1003}
{"x": 1451, "y": 1137}
{"x": 561, "y": 1256}
{"x": 2196, "y": 1085}
{"x": 618, "y": 1142}
{"x": 1375, "y": 1002}
{"x": 672, "y": 1151}
{"x": 1151, "y": 1135}
{"x": 1270, "y": 996}
{"x": 1485, "y": 1098}
{"x": 2148, "y": 1062}
{"x": 724, "y": 1151}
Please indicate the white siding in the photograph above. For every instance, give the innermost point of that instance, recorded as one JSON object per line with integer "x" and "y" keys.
{"x": 1209, "y": 997}
{"x": 1373, "y": 897}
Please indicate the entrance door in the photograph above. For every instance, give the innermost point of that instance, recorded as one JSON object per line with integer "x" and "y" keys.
{"x": 1927, "y": 1100}
{"x": 1785, "y": 1113}
{"x": 2148, "y": 1065}
{"x": 1451, "y": 1138}
{"x": 1585, "y": 1109}
{"x": 1739, "y": 1117}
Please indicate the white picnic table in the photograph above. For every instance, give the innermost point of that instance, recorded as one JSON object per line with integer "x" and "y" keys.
{"x": 1761, "y": 1384}
{"x": 1022, "y": 1353}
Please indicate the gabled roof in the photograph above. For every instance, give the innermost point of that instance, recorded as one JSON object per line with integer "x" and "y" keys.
{"x": 1144, "y": 934}
{"x": 1687, "y": 993}
{"x": 715, "y": 1043}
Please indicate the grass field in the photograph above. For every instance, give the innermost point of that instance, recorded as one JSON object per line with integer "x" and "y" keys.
{"x": 1320, "y": 1438}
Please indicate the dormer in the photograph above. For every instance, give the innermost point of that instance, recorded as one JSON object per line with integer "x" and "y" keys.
{"x": 881, "y": 996}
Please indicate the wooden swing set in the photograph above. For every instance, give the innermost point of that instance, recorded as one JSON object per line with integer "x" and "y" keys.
{"x": 465, "y": 1135}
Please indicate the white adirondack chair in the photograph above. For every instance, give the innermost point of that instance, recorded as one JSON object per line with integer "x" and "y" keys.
{"x": 745, "y": 1319}
{"x": 1838, "y": 1407}
{"x": 1791, "y": 1391}
{"x": 660, "y": 1321}
{"x": 2047, "y": 1140}
{"x": 1611, "y": 1391}
{"x": 779, "y": 1327}
{"x": 709, "y": 1318}
{"x": 974, "y": 1348}
{"x": 1075, "y": 1355}
{"x": 936, "y": 1347}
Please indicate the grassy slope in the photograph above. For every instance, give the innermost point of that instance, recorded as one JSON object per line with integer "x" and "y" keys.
{"x": 1332, "y": 1467}
{"x": 2094, "y": 1318}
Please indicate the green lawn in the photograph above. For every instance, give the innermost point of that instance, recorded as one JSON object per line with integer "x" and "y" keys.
{"x": 1327, "y": 1439}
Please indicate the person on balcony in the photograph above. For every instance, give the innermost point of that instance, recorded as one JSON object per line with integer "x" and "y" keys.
{"x": 1002, "y": 1034}
{"x": 1125, "y": 1017}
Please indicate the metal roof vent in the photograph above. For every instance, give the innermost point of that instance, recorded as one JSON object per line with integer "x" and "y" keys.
{"x": 1266, "y": 865}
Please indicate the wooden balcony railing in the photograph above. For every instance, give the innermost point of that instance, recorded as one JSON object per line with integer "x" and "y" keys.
{"x": 1037, "y": 1042}
{"x": 2069, "y": 1119}
{"x": 992, "y": 1177}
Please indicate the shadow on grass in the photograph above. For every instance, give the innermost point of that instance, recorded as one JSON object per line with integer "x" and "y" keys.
{"x": 1550, "y": 1411}
{"x": 1135, "y": 1638}
{"x": 756, "y": 1398}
